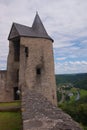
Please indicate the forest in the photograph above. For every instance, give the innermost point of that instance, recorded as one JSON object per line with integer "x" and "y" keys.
{"x": 72, "y": 96}
{"x": 78, "y": 80}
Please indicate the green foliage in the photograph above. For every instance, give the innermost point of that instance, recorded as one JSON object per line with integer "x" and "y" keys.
{"x": 59, "y": 95}
{"x": 77, "y": 110}
{"x": 67, "y": 98}
{"x": 83, "y": 93}
{"x": 85, "y": 127}
{"x": 82, "y": 83}
{"x": 78, "y": 80}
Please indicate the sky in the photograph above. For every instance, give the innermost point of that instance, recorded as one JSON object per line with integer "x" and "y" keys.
{"x": 64, "y": 20}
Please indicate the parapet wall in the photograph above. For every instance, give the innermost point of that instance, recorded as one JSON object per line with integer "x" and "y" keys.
{"x": 3, "y": 76}
{"x": 39, "y": 114}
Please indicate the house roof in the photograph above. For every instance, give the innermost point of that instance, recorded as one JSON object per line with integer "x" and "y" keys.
{"x": 37, "y": 30}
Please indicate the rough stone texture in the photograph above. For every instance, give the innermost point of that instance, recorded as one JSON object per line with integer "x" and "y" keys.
{"x": 12, "y": 67}
{"x": 39, "y": 114}
{"x": 3, "y": 75}
{"x": 40, "y": 55}
{"x": 38, "y": 87}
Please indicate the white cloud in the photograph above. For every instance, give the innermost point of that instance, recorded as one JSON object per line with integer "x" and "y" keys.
{"x": 61, "y": 58}
{"x": 65, "y": 21}
{"x": 71, "y": 67}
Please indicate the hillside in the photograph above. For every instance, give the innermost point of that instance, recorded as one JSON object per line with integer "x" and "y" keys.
{"x": 74, "y": 102}
{"x": 72, "y": 96}
{"x": 77, "y": 80}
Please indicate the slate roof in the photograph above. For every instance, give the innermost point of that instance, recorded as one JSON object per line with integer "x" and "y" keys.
{"x": 37, "y": 30}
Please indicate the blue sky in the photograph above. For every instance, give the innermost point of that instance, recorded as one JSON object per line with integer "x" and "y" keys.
{"x": 64, "y": 20}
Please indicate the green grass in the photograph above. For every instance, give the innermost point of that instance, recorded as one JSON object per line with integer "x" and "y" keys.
{"x": 83, "y": 92}
{"x": 10, "y": 120}
{"x": 74, "y": 91}
{"x": 6, "y": 104}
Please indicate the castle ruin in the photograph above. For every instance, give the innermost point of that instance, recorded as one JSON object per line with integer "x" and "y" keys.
{"x": 30, "y": 62}
{"x": 30, "y": 70}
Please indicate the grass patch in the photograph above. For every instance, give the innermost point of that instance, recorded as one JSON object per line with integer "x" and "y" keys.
{"x": 10, "y": 121}
{"x": 83, "y": 92}
{"x": 8, "y": 104}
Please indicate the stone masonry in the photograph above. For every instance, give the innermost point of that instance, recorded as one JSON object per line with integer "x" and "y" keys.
{"x": 3, "y": 85}
{"x": 40, "y": 55}
{"x": 30, "y": 70}
{"x": 30, "y": 60}
{"x": 39, "y": 114}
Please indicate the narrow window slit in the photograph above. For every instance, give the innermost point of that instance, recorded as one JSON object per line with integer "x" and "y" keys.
{"x": 26, "y": 51}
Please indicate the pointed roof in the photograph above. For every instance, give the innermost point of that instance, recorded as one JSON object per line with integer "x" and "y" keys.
{"x": 37, "y": 30}
{"x": 38, "y": 26}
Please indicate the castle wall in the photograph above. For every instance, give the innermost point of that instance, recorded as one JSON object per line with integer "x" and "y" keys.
{"x": 3, "y": 75}
{"x": 40, "y": 55}
{"x": 42, "y": 115}
{"x": 12, "y": 68}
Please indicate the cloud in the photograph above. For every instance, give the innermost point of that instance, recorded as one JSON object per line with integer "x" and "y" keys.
{"x": 64, "y": 20}
{"x": 61, "y": 58}
{"x": 71, "y": 67}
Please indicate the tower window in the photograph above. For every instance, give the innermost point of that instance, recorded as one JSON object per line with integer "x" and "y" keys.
{"x": 26, "y": 51}
{"x": 38, "y": 71}
{"x": 16, "y": 51}
{"x": 17, "y": 76}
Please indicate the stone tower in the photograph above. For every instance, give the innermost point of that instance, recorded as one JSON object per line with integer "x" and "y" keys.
{"x": 30, "y": 61}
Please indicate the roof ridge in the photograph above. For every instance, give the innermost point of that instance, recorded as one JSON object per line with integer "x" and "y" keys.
{"x": 21, "y": 25}
{"x": 13, "y": 25}
{"x": 37, "y": 30}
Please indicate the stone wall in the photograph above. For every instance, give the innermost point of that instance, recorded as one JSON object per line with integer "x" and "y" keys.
{"x": 39, "y": 111}
{"x": 40, "y": 55}
{"x": 39, "y": 114}
{"x": 12, "y": 67}
{"x": 3, "y": 75}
